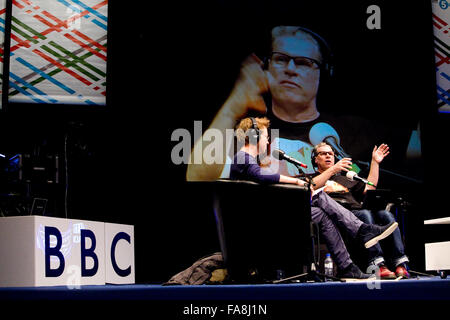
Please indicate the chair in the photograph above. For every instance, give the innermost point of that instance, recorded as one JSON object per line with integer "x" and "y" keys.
{"x": 381, "y": 199}
{"x": 264, "y": 230}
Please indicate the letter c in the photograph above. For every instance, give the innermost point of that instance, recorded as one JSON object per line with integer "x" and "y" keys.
{"x": 119, "y": 236}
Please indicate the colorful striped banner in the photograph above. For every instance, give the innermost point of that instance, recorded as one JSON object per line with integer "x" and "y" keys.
{"x": 58, "y": 51}
{"x": 2, "y": 41}
{"x": 441, "y": 28}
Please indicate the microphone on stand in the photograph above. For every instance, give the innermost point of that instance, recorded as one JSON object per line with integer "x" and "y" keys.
{"x": 352, "y": 175}
{"x": 281, "y": 155}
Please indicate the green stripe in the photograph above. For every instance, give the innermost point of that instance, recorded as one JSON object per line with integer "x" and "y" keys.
{"x": 70, "y": 63}
{"x": 67, "y": 62}
{"x": 26, "y": 27}
{"x": 23, "y": 34}
{"x": 78, "y": 59}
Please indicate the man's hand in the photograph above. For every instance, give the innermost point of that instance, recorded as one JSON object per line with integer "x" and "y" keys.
{"x": 248, "y": 89}
{"x": 378, "y": 154}
{"x": 345, "y": 164}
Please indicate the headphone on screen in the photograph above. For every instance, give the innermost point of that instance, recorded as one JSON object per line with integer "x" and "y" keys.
{"x": 327, "y": 66}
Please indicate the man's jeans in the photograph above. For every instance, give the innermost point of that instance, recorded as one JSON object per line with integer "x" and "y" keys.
{"x": 329, "y": 214}
{"x": 394, "y": 251}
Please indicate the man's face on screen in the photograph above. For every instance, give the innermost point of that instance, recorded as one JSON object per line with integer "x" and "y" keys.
{"x": 293, "y": 79}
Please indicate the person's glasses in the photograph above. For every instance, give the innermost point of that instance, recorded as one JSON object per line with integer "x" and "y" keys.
{"x": 301, "y": 63}
{"x": 326, "y": 153}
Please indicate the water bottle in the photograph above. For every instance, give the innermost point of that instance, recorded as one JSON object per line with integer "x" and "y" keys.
{"x": 328, "y": 267}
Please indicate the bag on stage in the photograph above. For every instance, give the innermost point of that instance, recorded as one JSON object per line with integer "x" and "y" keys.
{"x": 209, "y": 269}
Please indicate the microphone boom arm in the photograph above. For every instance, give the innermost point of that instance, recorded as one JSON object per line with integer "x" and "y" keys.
{"x": 391, "y": 172}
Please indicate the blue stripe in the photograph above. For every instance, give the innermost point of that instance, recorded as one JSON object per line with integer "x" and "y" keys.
{"x": 443, "y": 99}
{"x": 89, "y": 102}
{"x": 101, "y": 25}
{"x": 17, "y": 78}
{"x": 85, "y": 7}
{"x": 446, "y": 76}
{"x": 443, "y": 91}
{"x": 44, "y": 75}
{"x": 75, "y": 9}
{"x": 13, "y": 85}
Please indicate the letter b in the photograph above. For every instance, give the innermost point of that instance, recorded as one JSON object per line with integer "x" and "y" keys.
{"x": 88, "y": 253}
{"x": 55, "y": 251}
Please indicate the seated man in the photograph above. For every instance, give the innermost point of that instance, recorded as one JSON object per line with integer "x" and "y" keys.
{"x": 350, "y": 193}
{"x": 253, "y": 134}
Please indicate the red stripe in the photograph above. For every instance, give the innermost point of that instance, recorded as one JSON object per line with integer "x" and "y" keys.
{"x": 75, "y": 17}
{"x": 59, "y": 65}
{"x": 27, "y": 2}
{"x": 440, "y": 20}
{"x": 18, "y": 4}
{"x": 91, "y": 41}
{"x": 65, "y": 23}
{"x": 437, "y": 25}
{"x": 101, "y": 4}
{"x": 56, "y": 27}
{"x": 52, "y": 26}
{"x": 49, "y": 15}
{"x": 24, "y": 43}
{"x": 85, "y": 46}
{"x": 59, "y": 23}
{"x": 443, "y": 60}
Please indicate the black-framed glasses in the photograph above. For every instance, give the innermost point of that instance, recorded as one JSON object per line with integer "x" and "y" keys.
{"x": 325, "y": 153}
{"x": 302, "y": 63}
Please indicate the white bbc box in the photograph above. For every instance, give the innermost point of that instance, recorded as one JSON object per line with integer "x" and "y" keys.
{"x": 46, "y": 251}
{"x": 437, "y": 256}
{"x": 119, "y": 253}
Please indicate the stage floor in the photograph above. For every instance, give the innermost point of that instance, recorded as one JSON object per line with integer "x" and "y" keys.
{"x": 425, "y": 288}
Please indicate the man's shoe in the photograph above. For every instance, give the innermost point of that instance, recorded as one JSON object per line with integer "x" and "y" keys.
{"x": 370, "y": 234}
{"x": 385, "y": 273}
{"x": 353, "y": 273}
{"x": 401, "y": 271}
